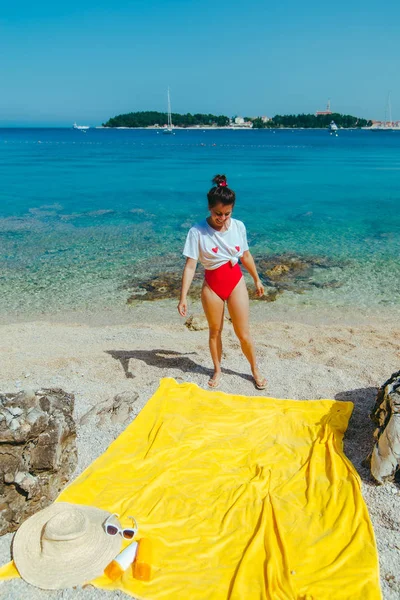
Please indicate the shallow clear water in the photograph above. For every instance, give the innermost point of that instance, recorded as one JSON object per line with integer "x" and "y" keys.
{"x": 81, "y": 214}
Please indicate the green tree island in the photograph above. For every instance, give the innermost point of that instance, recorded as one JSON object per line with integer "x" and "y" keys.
{"x": 152, "y": 118}
{"x": 311, "y": 121}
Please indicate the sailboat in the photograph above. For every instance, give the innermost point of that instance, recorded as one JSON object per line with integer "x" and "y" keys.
{"x": 386, "y": 125}
{"x": 168, "y": 128}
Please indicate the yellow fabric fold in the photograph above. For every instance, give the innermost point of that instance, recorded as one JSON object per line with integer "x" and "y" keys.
{"x": 242, "y": 498}
{"x": 8, "y": 571}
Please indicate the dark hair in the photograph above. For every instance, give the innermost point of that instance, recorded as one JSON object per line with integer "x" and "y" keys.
{"x": 220, "y": 192}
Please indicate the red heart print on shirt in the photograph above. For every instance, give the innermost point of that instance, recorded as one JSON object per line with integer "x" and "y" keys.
{"x": 237, "y": 248}
{"x": 215, "y": 249}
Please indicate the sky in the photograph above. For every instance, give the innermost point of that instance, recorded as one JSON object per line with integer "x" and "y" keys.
{"x": 89, "y": 60}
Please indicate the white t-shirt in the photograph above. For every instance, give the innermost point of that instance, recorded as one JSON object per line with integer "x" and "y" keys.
{"x": 215, "y": 248}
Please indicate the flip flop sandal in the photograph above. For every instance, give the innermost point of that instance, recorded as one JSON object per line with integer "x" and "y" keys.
{"x": 214, "y": 383}
{"x": 262, "y": 384}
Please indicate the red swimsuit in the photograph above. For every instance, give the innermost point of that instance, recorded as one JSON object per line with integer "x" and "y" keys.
{"x": 223, "y": 280}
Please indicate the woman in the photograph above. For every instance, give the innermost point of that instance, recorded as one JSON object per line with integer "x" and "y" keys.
{"x": 219, "y": 242}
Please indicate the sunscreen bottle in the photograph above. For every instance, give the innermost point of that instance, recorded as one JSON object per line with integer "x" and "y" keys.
{"x": 121, "y": 562}
{"x": 141, "y": 568}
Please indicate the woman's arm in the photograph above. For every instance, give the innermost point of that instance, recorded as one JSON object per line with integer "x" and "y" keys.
{"x": 187, "y": 278}
{"x": 248, "y": 262}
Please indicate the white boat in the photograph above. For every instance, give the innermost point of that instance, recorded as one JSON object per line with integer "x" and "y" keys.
{"x": 333, "y": 128}
{"x": 168, "y": 128}
{"x": 81, "y": 127}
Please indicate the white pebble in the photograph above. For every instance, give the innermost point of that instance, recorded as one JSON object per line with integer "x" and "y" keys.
{"x": 14, "y": 425}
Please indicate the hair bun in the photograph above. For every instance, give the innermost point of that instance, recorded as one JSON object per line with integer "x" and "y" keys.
{"x": 220, "y": 192}
{"x": 220, "y": 181}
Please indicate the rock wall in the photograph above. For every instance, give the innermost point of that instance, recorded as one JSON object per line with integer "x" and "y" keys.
{"x": 385, "y": 457}
{"x": 37, "y": 452}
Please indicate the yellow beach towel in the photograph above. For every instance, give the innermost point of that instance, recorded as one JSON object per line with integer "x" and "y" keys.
{"x": 243, "y": 498}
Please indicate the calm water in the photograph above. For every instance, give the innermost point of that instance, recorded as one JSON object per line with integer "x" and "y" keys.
{"x": 81, "y": 214}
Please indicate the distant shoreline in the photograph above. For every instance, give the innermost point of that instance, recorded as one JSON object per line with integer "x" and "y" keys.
{"x": 203, "y": 128}
{"x": 208, "y": 128}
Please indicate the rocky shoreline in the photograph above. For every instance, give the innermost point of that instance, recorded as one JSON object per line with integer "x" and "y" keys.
{"x": 279, "y": 274}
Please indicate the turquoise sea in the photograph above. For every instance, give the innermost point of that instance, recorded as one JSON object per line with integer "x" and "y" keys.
{"x": 82, "y": 214}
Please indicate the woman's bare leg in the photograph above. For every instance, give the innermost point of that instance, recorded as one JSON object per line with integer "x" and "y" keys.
{"x": 238, "y": 307}
{"x": 214, "y": 310}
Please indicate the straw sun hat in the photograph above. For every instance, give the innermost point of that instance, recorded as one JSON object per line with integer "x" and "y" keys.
{"x": 64, "y": 545}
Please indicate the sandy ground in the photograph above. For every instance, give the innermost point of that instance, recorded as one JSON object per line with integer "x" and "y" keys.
{"x": 305, "y": 355}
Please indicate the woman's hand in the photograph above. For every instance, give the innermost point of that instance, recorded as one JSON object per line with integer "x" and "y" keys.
{"x": 187, "y": 278}
{"x": 249, "y": 264}
{"x": 259, "y": 288}
{"x": 182, "y": 307}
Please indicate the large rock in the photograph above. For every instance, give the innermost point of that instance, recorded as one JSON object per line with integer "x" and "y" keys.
{"x": 196, "y": 322}
{"x": 37, "y": 452}
{"x": 385, "y": 456}
{"x": 117, "y": 410}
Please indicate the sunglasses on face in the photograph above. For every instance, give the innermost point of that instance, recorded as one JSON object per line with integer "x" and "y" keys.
{"x": 127, "y": 533}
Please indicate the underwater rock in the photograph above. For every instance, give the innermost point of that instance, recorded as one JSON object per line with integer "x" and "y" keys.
{"x": 270, "y": 294}
{"x": 279, "y": 273}
{"x": 290, "y": 272}
{"x": 334, "y": 284}
{"x": 385, "y": 456}
{"x": 284, "y": 266}
{"x": 37, "y": 452}
{"x": 164, "y": 285}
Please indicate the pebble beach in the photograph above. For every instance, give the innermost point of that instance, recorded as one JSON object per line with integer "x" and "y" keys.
{"x": 305, "y": 355}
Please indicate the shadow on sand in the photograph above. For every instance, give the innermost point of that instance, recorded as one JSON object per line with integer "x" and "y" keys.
{"x": 167, "y": 359}
{"x": 358, "y": 441}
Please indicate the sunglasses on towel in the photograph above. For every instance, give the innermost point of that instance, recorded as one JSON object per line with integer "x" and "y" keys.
{"x": 128, "y": 532}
